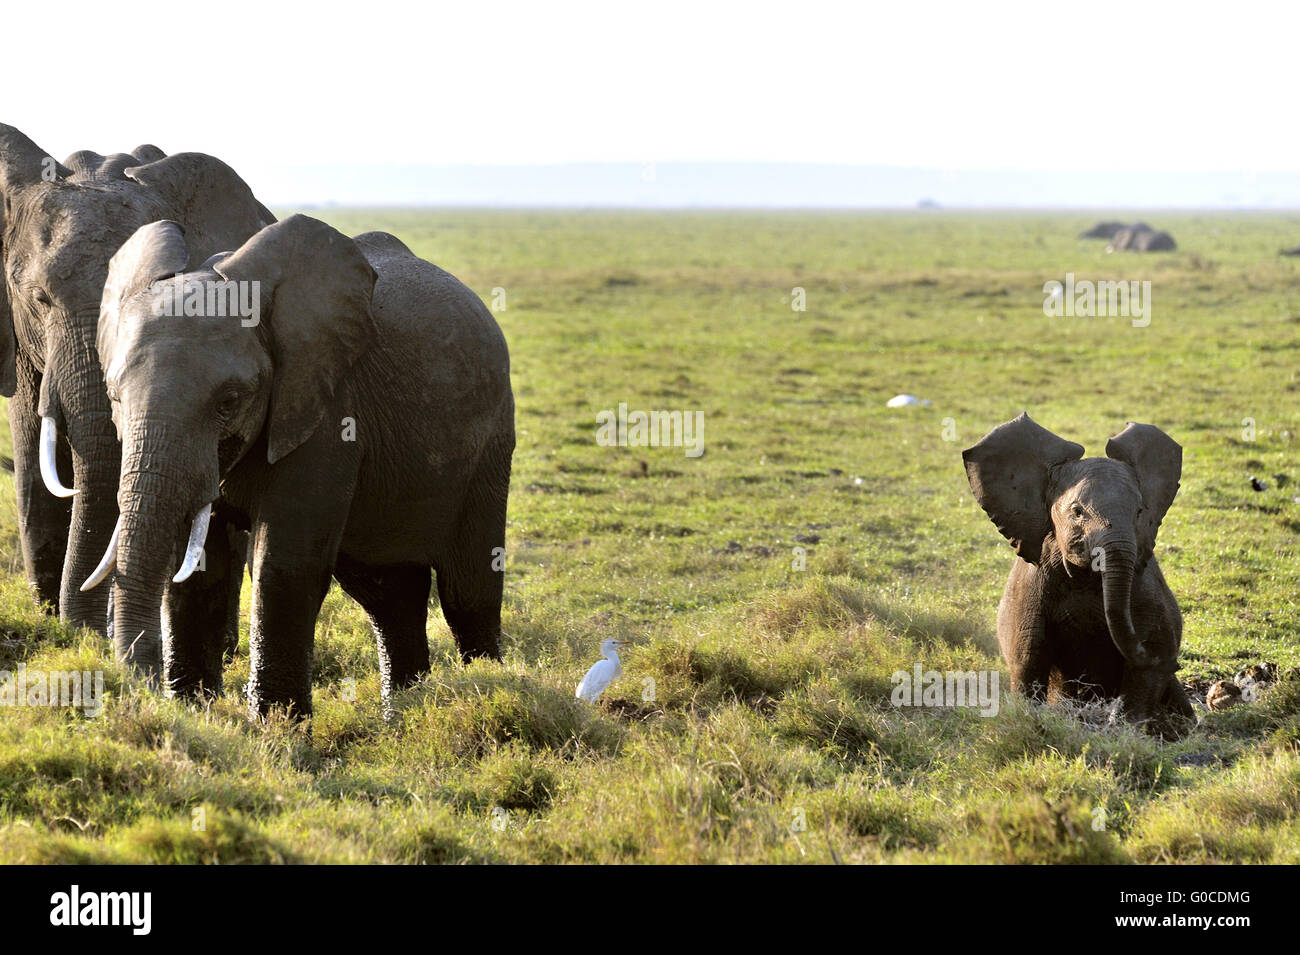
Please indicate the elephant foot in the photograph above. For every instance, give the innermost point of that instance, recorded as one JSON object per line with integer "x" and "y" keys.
{"x": 1169, "y": 727}
{"x": 1169, "y": 723}
{"x": 46, "y": 581}
{"x": 477, "y": 632}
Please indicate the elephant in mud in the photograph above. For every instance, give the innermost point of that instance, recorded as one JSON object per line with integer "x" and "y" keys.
{"x": 61, "y": 223}
{"x": 1109, "y": 228}
{"x": 361, "y": 423}
{"x": 1140, "y": 238}
{"x": 1086, "y": 612}
{"x": 1106, "y": 229}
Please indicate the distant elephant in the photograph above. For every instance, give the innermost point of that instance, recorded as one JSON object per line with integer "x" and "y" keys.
{"x": 1142, "y": 239}
{"x": 1109, "y": 228}
{"x": 363, "y": 423}
{"x": 1103, "y": 230}
{"x": 61, "y": 223}
{"x": 1086, "y": 612}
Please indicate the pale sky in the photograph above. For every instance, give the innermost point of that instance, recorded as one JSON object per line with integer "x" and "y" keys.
{"x": 1123, "y": 86}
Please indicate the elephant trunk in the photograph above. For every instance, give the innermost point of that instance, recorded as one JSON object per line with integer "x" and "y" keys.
{"x": 74, "y": 402}
{"x": 1117, "y": 593}
{"x": 159, "y": 514}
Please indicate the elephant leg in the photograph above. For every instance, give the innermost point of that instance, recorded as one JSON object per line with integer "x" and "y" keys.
{"x": 282, "y": 632}
{"x": 471, "y": 576}
{"x": 294, "y": 543}
{"x": 1142, "y": 692}
{"x": 238, "y": 565}
{"x": 475, "y": 622}
{"x": 43, "y": 519}
{"x": 1024, "y": 649}
{"x": 396, "y": 598}
{"x": 1031, "y": 675}
{"x": 1177, "y": 718}
{"x": 196, "y": 614}
{"x": 1178, "y": 701}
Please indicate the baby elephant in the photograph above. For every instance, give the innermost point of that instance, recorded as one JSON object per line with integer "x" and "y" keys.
{"x": 347, "y": 401}
{"x": 1086, "y": 612}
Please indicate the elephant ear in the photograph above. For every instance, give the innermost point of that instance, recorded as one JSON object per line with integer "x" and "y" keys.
{"x": 320, "y": 287}
{"x": 22, "y": 163}
{"x": 156, "y": 251}
{"x": 1157, "y": 459}
{"x": 8, "y": 342}
{"x": 90, "y": 166}
{"x": 86, "y": 165}
{"x": 1009, "y": 471}
{"x": 147, "y": 153}
{"x": 216, "y": 206}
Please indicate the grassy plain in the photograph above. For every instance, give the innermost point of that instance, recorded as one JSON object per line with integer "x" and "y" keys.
{"x": 770, "y": 736}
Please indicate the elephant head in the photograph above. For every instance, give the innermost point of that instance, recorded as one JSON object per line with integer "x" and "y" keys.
{"x": 1089, "y": 514}
{"x": 61, "y": 224}
{"x": 196, "y": 382}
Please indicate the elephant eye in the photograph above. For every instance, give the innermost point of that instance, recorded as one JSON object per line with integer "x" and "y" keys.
{"x": 1076, "y": 509}
{"x": 227, "y": 406}
{"x": 42, "y": 298}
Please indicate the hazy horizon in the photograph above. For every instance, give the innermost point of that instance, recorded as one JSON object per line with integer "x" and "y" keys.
{"x": 761, "y": 185}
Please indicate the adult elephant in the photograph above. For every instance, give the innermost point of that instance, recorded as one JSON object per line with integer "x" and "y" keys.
{"x": 360, "y": 415}
{"x": 60, "y": 226}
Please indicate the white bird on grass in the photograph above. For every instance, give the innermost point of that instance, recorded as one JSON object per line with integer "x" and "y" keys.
{"x": 603, "y": 672}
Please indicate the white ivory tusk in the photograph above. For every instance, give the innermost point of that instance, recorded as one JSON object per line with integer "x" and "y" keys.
{"x": 107, "y": 563}
{"x": 194, "y": 550}
{"x": 49, "y": 465}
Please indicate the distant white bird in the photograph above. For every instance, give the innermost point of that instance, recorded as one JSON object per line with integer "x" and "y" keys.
{"x": 902, "y": 401}
{"x": 603, "y": 672}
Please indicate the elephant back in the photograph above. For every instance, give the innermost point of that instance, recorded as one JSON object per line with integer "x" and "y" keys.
{"x": 414, "y": 300}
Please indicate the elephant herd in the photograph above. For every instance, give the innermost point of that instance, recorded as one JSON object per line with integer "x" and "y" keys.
{"x": 350, "y": 418}
{"x": 195, "y": 386}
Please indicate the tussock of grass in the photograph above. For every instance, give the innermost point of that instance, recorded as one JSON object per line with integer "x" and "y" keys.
{"x": 820, "y": 717}
{"x": 1250, "y": 814}
{"x": 514, "y": 777}
{"x": 1029, "y": 829}
{"x": 889, "y": 818}
{"x": 470, "y": 714}
{"x": 225, "y": 839}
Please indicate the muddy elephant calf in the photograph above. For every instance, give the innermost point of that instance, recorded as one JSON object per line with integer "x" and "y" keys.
{"x": 1086, "y": 612}
{"x": 351, "y": 400}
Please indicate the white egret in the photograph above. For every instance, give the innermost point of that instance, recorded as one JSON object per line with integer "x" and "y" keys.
{"x": 603, "y": 672}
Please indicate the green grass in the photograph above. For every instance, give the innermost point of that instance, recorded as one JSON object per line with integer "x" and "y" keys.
{"x": 770, "y": 737}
